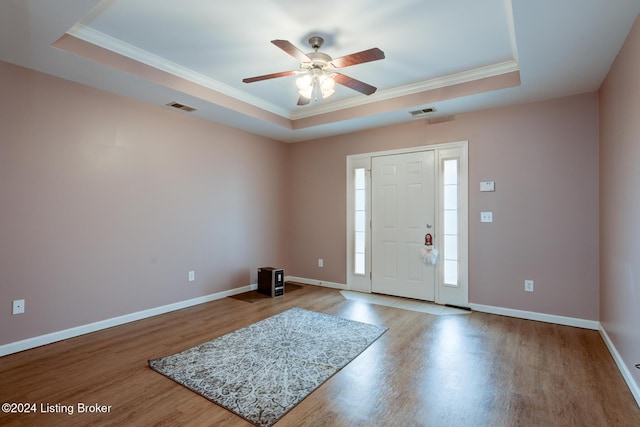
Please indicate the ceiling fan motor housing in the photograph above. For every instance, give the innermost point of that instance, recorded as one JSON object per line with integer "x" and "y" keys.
{"x": 318, "y": 60}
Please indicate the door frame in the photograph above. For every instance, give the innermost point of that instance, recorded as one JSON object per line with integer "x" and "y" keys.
{"x": 458, "y": 295}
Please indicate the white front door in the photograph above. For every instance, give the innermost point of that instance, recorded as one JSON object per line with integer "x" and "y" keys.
{"x": 402, "y": 213}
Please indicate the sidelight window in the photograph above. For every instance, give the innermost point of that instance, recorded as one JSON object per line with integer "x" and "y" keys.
{"x": 360, "y": 221}
{"x": 451, "y": 215}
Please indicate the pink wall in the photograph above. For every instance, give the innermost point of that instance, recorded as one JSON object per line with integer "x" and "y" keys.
{"x": 620, "y": 203}
{"x": 107, "y": 203}
{"x": 543, "y": 158}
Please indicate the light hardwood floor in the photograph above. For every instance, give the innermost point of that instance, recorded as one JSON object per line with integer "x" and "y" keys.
{"x": 450, "y": 370}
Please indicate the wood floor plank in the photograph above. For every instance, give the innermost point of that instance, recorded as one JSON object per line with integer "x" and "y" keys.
{"x": 455, "y": 370}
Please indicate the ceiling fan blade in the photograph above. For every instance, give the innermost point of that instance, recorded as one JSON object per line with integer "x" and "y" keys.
{"x": 354, "y": 84}
{"x": 269, "y": 76}
{"x": 291, "y": 50}
{"x": 303, "y": 100}
{"x": 369, "y": 55}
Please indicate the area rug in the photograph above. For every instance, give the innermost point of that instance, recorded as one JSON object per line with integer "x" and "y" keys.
{"x": 262, "y": 371}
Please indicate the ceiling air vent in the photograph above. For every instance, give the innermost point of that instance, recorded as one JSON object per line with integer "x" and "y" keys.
{"x": 181, "y": 107}
{"x": 419, "y": 114}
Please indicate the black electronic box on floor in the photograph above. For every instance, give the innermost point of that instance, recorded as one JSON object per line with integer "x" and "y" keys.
{"x": 271, "y": 281}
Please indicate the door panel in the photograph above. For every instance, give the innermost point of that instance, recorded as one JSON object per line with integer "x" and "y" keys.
{"x": 402, "y": 206}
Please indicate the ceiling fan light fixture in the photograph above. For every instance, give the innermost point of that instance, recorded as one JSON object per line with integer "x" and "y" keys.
{"x": 326, "y": 83}
{"x": 316, "y": 84}
{"x": 327, "y": 93}
{"x": 304, "y": 81}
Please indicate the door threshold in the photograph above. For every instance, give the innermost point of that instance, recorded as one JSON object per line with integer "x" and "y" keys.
{"x": 403, "y": 303}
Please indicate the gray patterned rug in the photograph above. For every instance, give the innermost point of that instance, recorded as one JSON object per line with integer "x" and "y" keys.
{"x": 262, "y": 371}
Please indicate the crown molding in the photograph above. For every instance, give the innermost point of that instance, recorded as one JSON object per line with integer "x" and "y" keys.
{"x": 105, "y": 41}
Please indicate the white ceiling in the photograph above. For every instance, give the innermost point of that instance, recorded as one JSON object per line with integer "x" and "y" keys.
{"x": 454, "y": 55}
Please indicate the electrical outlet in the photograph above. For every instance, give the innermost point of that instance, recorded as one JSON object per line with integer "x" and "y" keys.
{"x": 320, "y": 262}
{"x": 192, "y": 276}
{"x": 528, "y": 285}
{"x": 18, "y": 306}
{"x": 486, "y": 216}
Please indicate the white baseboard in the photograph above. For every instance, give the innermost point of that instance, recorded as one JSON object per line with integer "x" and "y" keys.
{"x": 622, "y": 367}
{"x": 38, "y": 341}
{"x": 541, "y": 317}
{"x": 324, "y": 283}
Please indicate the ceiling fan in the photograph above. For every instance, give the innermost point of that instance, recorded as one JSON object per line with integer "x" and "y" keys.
{"x": 317, "y": 74}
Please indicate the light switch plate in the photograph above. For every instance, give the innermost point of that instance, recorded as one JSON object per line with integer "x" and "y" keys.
{"x": 487, "y": 186}
{"x": 528, "y": 285}
{"x": 486, "y": 216}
